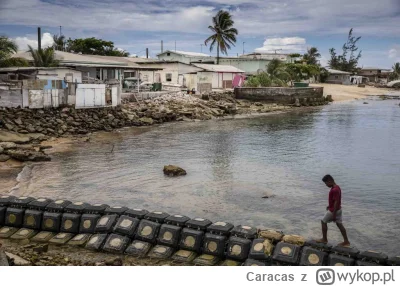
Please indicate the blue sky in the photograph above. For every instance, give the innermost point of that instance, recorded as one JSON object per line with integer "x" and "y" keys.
{"x": 290, "y": 25}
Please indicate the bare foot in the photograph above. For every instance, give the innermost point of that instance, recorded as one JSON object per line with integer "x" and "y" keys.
{"x": 324, "y": 241}
{"x": 344, "y": 244}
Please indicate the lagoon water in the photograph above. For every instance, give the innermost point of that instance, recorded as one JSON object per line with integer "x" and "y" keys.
{"x": 232, "y": 164}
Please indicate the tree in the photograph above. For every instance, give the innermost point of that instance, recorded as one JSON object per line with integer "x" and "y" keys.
{"x": 312, "y": 56}
{"x": 93, "y": 46}
{"x": 224, "y": 35}
{"x": 278, "y": 73}
{"x": 44, "y": 57}
{"x": 300, "y": 72}
{"x": 59, "y": 42}
{"x": 349, "y": 58}
{"x": 395, "y": 74}
{"x": 7, "y": 47}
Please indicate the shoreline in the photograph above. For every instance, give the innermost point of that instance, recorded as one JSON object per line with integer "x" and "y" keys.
{"x": 12, "y": 168}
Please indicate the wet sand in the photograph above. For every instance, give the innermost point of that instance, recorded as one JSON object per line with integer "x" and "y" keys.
{"x": 351, "y": 92}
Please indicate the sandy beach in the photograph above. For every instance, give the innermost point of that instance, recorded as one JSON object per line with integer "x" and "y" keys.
{"x": 350, "y": 92}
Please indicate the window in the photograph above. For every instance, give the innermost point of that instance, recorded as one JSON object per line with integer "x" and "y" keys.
{"x": 168, "y": 54}
{"x": 168, "y": 77}
{"x": 336, "y": 76}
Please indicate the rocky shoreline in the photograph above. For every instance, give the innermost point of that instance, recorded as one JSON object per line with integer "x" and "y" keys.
{"x": 27, "y": 134}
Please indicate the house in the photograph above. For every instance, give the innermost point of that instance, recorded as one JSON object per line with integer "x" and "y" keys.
{"x": 214, "y": 77}
{"x": 375, "y": 74}
{"x": 338, "y": 77}
{"x": 94, "y": 68}
{"x": 185, "y": 57}
{"x": 172, "y": 72}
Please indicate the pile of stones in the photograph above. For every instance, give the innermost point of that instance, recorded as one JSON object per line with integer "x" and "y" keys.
{"x": 158, "y": 235}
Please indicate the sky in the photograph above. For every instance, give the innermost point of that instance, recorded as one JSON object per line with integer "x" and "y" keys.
{"x": 281, "y": 26}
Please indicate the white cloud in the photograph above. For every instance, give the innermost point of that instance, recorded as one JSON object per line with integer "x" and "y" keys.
{"x": 394, "y": 53}
{"x": 23, "y": 42}
{"x": 284, "y": 45}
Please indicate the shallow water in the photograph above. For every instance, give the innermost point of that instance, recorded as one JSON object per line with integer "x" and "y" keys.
{"x": 232, "y": 164}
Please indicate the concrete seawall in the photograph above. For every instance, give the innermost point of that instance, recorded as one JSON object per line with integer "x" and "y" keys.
{"x": 158, "y": 235}
{"x": 285, "y": 95}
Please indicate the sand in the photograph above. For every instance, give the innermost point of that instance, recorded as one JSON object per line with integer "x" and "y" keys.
{"x": 350, "y": 92}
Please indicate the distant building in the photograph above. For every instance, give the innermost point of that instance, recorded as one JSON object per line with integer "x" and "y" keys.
{"x": 338, "y": 77}
{"x": 375, "y": 74}
{"x": 250, "y": 63}
{"x": 185, "y": 57}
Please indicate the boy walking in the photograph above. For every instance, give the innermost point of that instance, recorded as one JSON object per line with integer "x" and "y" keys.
{"x": 334, "y": 211}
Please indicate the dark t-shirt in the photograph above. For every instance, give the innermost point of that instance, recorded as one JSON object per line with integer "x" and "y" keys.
{"x": 335, "y": 194}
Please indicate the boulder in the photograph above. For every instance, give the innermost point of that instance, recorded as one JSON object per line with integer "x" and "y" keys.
{"x": 28, "y": 155}
{"x": 18, "y": 261}
{"x": 6, "y": 136}
{"x": 1, "y": 150}
{"x": 146, "y": 120}
{"x": 297, "y": 103}
{"x": 8, "y": 145}
{"x": 174, "y": 171}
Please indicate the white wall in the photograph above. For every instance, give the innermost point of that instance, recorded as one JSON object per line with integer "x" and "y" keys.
{"x": 175, "y": 69}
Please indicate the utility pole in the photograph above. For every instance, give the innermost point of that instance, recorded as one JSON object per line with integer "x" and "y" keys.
{"x": 39, "y": 32}
{"x": 243, "y": 47}
{"x": 175, "y": 46}
{"x": 60, "y": 32}
{"x": 162, "y": 46}
{"x": 147, "y": 53}
{"x": 201, "y": 49}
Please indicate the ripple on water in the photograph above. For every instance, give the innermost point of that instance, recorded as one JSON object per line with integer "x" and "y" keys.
{"x": 232, "y": 163}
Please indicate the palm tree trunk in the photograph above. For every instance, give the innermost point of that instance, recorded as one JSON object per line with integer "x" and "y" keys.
{"x": 218, "y": 54}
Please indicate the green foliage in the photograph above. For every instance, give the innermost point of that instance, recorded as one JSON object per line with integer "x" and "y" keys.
{"x": 323, "y": 75}
{"x": 93, "y": 46}
{"x": 253, "y": 81}
{"x": 7, "y": 47}
{"x": 299, "y": 72}
{"x": 294, "y": 55}
{"x": 349, "y": 58}
{"x": 395, "y": 74}
{"x": 14, "y": 62}
{"x": 44, "y": 57}
{"x": 224, "y": 35}
{"x": 59, "y": 42}
{"x": 312, "y": 56}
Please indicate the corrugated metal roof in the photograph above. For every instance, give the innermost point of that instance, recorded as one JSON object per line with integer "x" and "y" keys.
{"x": 332, "y": 71}
{"x": 71, "y": 59}
{"x": 219, "y": 68}
{"x": 14, "y": 69}
{"x": 189, "y": 54}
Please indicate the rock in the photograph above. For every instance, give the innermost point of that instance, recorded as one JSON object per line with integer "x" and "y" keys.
{"x": 147, "y": 120}
{"x": 366, "y": 103}
{"x": 174, "y": 171}
{"x": 8, "y": 145}
{"x": 28, "y": 155}
{"x": 114, "y": 262}
{"x": 329, "y": 98}
{"x": 6, "y": 136}
{"x": 1, "y": 150}
{"x": 4, "y": 158}
{"x": 41, "y": 248}
{"x": 3, "y": 258}
{"x": 297, "y": 103}
{"x": 18, "y": 121}
{"x": 18, "y": 261}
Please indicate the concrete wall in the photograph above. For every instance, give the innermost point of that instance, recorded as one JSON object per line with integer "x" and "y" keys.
{"x": 278, "y": 94}
{"x": 177, "y": 70}
{"x": 67, "y": 75}
{"x": 338, "y": 78}
{"x": 11, "y": 98}
{"x": 250, "y": 66}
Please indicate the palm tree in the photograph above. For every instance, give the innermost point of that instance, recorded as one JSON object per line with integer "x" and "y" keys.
{"x": 312, "y": 55}
{"x": 277, "y": 72}
{"x": 14, "y": 62}
{"x": 396, "y": 71}
{"x": 59, "y": 42}
{"x": 224, "y": 35}
{"x": 44, "y": 57}
{"x": 7, "y": 47}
